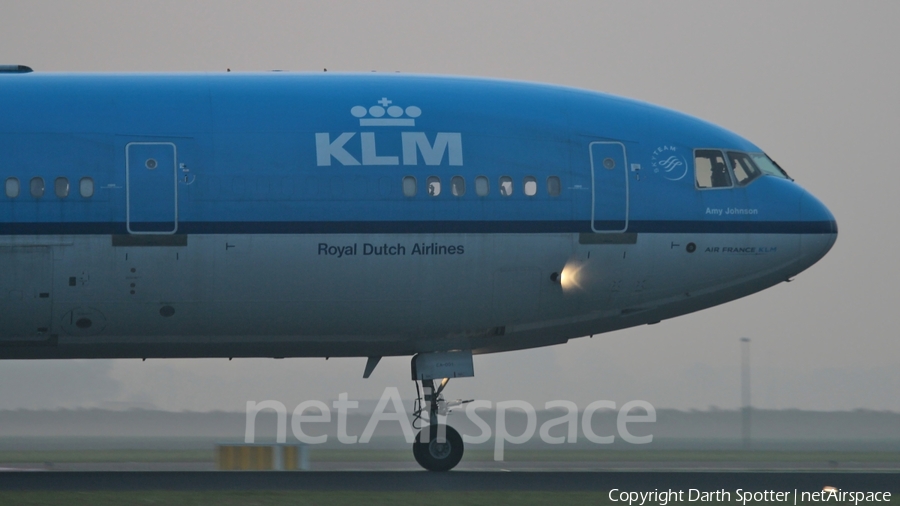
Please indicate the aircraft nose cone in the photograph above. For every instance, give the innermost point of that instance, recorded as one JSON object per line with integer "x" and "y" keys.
{"x": 821, "y": 228}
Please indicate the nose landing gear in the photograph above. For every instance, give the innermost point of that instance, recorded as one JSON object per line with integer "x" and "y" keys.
{"x": 438, "y": 447}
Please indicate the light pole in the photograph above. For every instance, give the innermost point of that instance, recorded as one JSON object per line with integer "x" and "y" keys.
{"x": 745, "y": 392}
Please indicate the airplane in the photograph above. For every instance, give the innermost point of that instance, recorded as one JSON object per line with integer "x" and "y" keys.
{"x": 283, "y": 214}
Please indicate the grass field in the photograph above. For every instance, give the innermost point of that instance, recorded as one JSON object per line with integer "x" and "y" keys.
{"x": 68, "y": 456}
{"x": 613, "y": 456}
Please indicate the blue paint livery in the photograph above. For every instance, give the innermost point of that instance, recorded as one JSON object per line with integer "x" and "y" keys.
{"x": 248, "y": 145}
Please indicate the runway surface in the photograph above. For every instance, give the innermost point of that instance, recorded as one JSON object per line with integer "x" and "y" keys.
{"x": 452, "y": 481}
{"x": 486, "y": 466}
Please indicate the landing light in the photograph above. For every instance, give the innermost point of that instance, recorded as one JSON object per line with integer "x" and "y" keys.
{"x": 570, "y": 277}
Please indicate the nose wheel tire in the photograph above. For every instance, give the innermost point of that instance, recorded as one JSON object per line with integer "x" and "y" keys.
{"x": 438, "y": 456}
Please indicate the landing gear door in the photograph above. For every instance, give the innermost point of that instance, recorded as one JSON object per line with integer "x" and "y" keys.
{"x": 25, "y": 285}
{"x": 609, "y": 176}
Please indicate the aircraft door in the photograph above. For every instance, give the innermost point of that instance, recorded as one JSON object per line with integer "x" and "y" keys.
{"x": 151, "y": 187}
{"x": 609, "y": 176}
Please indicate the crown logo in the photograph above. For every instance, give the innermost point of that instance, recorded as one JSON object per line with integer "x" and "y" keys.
{"x": 375, "y": 115}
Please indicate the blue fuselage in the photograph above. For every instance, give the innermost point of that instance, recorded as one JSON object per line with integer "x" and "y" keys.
{"x": 326, "y": 214}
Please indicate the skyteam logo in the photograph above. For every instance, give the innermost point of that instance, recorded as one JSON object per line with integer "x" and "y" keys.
{"x": 412, "y": 144}
{"x": 669, "y": 162}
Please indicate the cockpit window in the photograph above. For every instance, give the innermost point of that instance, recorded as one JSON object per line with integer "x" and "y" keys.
{"x": 710, "y": 169}
{"x": 768, "y": 166}
{"x": 743, "y": 167}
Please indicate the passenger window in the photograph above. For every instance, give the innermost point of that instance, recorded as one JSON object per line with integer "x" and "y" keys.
{"x": 61, "y": 186}
{"x": 12, "y": 187}
{"x": 482, "y": 187}
{"x": 37, "y": 187}
{"x": 710, "y": 169}
{"x": 506, "y": 187}
{"x": 744, "y": 168}
{"x": 458, "y": 186}
{"x": 434, "y": 185}
{"x": 530, "y": 186}
{"x": 553, "y": 186}
{"x": 409, "y": 186}
{"x": 86, "y": 187}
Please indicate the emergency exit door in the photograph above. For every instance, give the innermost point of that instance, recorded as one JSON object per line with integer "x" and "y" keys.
{"x": 610, "y": 187}
{"x": 151, "y": 187}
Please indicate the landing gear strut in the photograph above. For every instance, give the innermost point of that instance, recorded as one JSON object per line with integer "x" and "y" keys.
{"x": 438, "y": 447}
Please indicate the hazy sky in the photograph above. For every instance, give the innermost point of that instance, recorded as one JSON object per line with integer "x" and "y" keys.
{"x": 814, "y": 83}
